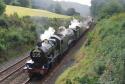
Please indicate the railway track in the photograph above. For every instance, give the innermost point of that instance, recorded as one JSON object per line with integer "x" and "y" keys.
{"x": 8, "y": 72}
{"x": 27, "y": 81}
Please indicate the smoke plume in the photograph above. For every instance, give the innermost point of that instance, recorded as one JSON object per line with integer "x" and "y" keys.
{"x": 74, "y": 23}
{"x": 47, "y": 34}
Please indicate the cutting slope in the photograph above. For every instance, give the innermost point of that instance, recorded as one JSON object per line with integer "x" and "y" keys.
{"x": 22, "y": 11}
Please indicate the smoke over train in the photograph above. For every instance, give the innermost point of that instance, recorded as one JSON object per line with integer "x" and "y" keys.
{"x": 53, "y": 45}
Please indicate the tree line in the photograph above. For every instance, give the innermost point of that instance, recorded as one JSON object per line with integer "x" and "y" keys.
{"x": 105, "y": 8}
{"x": 56, "y": 8}
{"x": 23, "y": 3}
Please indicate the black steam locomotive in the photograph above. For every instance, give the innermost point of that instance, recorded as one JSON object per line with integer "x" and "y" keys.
{"x": 48, "y": 51}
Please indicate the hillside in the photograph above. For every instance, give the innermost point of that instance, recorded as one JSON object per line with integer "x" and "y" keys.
{"x": 101, "y": 61}
{"x": 84, "y": 10}
{"x": 21, "y": 11}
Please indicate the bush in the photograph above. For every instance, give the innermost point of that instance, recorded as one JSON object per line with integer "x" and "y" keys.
{"x": 15, "y": 33}
{"x": 2, "y": 7}
{"x": 110, "y": 46}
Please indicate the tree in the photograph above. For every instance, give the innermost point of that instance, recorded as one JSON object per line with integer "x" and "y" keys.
{"x": 58, "y": 8}
{"x": 2, "y": 7}
{"x": 15, "y": 3}
{"x": 106, "y": 8}
{"x": 7, "y": 1}
{"x": 25, "y": 3}
{"x": 51, "y": 8}
{"x": 110, "y": 9}
{"x": 71, "y": 11}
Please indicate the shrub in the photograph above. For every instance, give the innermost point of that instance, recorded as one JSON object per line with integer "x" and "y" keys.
{"x": 2, "y": 7}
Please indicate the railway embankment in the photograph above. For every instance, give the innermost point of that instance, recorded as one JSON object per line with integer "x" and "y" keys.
{"x": 102, "y": 59}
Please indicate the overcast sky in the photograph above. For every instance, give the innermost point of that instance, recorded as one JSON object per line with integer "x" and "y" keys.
{"x": 86, "y": 2}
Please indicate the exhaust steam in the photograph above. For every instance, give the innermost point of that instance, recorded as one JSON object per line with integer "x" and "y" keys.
{"x": 74, "y": 23}
{"x": 47, "y": 34}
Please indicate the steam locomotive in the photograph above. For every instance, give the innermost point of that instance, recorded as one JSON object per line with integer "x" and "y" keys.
{"x": 51, "y": 50}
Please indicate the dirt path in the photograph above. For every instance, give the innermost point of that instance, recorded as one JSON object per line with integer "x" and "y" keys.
{"x": 66, "y": 62}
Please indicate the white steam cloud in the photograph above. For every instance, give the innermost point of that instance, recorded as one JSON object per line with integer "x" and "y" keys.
{"x": 62, "y": 30}
{"x": 47, "y": 34}
{"x": 74, "y": 23}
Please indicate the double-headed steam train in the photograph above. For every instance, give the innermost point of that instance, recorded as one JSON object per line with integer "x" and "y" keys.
{"x": 51, "y": 50}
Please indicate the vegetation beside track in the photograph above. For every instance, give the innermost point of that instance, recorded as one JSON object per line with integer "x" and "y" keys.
{"x": 102, "y": 60}
{"x": 15, "y": 33}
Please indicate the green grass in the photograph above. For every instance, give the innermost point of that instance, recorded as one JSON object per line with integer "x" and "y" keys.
{"x": 22, "y": 11}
